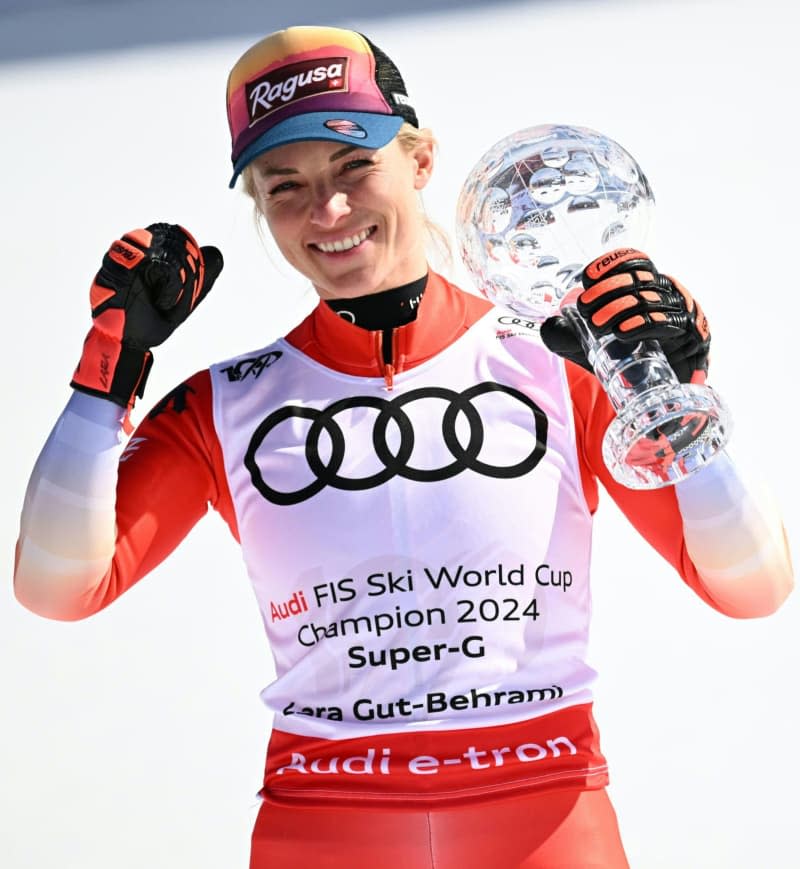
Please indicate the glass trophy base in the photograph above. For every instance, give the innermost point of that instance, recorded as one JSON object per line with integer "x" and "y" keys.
{"x": 665, "y": 434}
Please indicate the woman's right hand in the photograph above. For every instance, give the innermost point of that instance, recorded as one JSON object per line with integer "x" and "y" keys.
{"x": 150, "y": 281}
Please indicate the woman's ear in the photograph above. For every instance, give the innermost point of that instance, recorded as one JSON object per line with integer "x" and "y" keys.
{"x": 424, "y": 157}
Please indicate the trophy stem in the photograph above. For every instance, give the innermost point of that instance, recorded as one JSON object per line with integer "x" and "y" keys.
{"x": 664, "y": 430}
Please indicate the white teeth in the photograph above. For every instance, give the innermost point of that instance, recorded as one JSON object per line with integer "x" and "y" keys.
{"x": 344, "y": 243}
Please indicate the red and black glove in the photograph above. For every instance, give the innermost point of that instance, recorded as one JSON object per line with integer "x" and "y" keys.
{"x": 150, "y": 281}
{"x": 625, "y": 296}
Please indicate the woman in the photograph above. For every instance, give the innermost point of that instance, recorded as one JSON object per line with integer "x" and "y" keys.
{"x": 412, "y": 485}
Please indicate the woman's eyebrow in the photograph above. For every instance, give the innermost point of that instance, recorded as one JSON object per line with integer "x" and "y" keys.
{"x": 342, "y": 152}
{"x": 274, "y": 170}
{"x": 266, "y": 169}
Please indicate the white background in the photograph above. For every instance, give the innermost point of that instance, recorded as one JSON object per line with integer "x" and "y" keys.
{"x": 136, "y": 738}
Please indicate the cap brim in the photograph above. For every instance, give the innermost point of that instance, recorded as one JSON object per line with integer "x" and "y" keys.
{"x": 361, "y": 129}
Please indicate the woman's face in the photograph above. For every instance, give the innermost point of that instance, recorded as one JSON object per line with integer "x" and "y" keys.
{"x": 347, "y": 218}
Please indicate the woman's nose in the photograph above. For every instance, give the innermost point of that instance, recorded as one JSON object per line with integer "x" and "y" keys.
{"x": 329, "y": 206}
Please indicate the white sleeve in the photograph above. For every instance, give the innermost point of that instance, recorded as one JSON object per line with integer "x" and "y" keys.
{"x": 67, "y": 528}
{"x": 736, "y": 540}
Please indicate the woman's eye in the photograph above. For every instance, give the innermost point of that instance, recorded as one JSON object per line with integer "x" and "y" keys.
{"x": 283, "y": 187}
{"x": 358, "y": 164}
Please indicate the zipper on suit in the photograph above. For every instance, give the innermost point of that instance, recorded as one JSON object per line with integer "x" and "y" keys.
{"x": 387, "y": 357}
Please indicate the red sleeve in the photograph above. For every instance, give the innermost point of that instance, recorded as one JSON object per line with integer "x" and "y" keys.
{"x": 170, "y": 472}
{"x": 654, "y": 513}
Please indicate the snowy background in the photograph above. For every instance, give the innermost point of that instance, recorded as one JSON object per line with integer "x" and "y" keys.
{"x": 136, "y": 738}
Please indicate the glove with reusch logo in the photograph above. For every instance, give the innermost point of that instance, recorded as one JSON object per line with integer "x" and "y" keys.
{"x": 624, "y": 295}
{"x": 149, "y": 282}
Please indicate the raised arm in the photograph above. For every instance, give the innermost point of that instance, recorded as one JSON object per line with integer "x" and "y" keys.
{"x": 94, "y": 521}
{"x": 722, "y": 533}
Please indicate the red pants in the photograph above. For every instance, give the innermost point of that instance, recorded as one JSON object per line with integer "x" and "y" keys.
{"x": 569, "y": 829}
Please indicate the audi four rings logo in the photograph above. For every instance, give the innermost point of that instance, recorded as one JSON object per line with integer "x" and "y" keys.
{"x": 326, "y": 471}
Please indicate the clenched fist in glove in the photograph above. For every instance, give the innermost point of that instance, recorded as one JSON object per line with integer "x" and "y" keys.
{"x": 150, "y": 281}
{"x": 624, "y": 295}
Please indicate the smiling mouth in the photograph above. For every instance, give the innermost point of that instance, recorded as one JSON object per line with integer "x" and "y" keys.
{"x": 344, "y": 243}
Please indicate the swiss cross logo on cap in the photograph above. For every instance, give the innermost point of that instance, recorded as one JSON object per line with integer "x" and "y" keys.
{"x": 296, "y": 81}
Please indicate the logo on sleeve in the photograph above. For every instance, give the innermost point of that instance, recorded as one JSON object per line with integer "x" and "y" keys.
{"x": 175, "y": 399}
{"x": 131, "y": 447}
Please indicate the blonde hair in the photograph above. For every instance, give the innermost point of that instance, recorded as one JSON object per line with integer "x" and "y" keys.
{"x": 409, "y": 137}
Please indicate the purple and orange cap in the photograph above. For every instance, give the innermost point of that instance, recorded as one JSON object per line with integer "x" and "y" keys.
{"x": 313, "y": 83}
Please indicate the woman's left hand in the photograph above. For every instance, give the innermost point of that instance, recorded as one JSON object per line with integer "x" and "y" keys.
{"x": 624, "y": 295}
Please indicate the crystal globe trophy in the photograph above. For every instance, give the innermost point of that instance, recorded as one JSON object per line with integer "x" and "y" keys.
{"x": 537, "y": 207}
